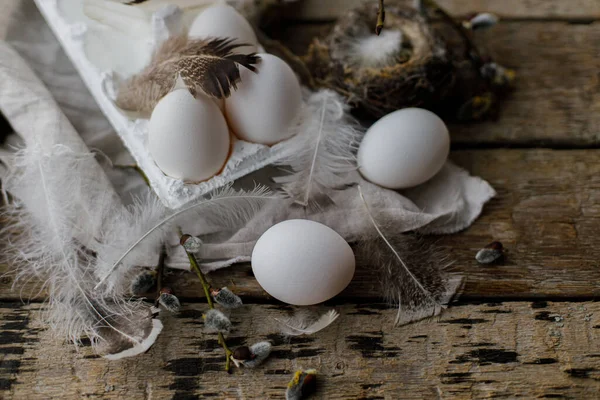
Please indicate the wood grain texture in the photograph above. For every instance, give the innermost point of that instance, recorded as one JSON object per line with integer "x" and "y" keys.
{"x": 497, "y": 350}
{"x": 543, "y": 9}
{"x": 556, "y": 101}
{"x": 557, "y": 97}
{"x": 546, "y": 214}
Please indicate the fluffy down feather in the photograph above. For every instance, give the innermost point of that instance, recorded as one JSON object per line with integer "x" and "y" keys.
{"x": 52, "y": 233}
{"x": 303, "y": 322}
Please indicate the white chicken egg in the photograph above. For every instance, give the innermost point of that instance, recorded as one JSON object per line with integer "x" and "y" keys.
{"x": 404, "y": 149}
{"x": 265, "y": 105}
{"x": 188, "y": 137}
{"x": 226, "y": 22}
{"x": 302, "y": 262}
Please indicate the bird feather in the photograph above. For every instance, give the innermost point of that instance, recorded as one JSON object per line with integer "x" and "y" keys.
{"x": 206, "y": 66}
{"x": 51, "y": 232}
{"x": 304, "y": 323}
{"x": 226, "y": 207}
{"x": 322, "y": 152}
{"x": 412, "y": 272}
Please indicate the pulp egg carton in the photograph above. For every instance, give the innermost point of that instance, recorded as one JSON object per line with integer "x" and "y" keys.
{"x": 103, "y": 55}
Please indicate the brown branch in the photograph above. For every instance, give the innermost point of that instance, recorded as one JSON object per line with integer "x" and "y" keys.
{"x": 380, "y": 18}
{"x": 160, "y": 270}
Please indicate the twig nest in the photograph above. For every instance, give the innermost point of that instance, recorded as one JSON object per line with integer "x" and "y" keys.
{"x": 407, "y": 66}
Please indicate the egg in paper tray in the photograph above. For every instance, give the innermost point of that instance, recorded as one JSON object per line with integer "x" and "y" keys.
{"x": 103, "y": 55}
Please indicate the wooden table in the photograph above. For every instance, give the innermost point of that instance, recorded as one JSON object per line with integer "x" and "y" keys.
{"x": 528, "y": 328}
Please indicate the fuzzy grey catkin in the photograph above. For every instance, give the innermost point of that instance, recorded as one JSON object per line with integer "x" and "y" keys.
{"x": 192, "y": 244}
{"x": 170, "y": 302}
{"x": 227, "y": 298}
{"x": 216, "y": 321}
{"x": 143, "y": 283}
{"x": 490, "y": 253}
{"x": 260, "y": 352}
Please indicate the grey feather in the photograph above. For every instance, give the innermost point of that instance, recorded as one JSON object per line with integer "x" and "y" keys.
{"x": 322, "y": 152}
{"x": 411, "y": 270}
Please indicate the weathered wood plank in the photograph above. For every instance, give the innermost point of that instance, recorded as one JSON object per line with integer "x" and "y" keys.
{"x": 543, "y": 9}
{"x": 557, "y": 97}
{"x": 500, "y": 350}
{"x": 546, "y": 214}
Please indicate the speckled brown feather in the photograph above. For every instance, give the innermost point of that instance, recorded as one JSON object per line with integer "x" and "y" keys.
{"x": 205, "y": 66}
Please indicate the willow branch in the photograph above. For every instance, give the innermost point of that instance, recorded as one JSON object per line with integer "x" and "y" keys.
{"x": 206, "y": 287}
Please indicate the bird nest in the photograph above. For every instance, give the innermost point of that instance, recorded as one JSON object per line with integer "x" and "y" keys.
{"x": 416, "y": 62}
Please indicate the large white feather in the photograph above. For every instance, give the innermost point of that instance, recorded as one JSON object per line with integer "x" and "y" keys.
{"x": 52, "y": 230}
{"x": 322, "y": 151}
{"x": 303, "y": 323}
{"x": 227, "y": 208}
{"x": 61, "y": 202}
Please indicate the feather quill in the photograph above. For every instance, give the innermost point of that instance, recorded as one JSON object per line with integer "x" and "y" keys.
{"x": 305, "y": 323}
{"x": 227, "y": 208}
{"x": 51, "y": 235}
{"x": 412, "y": 273}
{"x": 207, "y": 66}
{"x": 322, "y": 152}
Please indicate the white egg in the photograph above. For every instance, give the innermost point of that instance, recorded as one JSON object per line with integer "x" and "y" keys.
{"x": 187, "y": 137}
{"x": 224, "y": 21}
{"x": 265, "y": 105}
{"x": 404, "y": 149}
{"x": 302, "y": 262}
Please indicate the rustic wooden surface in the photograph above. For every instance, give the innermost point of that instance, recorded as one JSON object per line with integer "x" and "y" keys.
{"x": 494, "y": 350}
{"x": 526, "y": 328}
